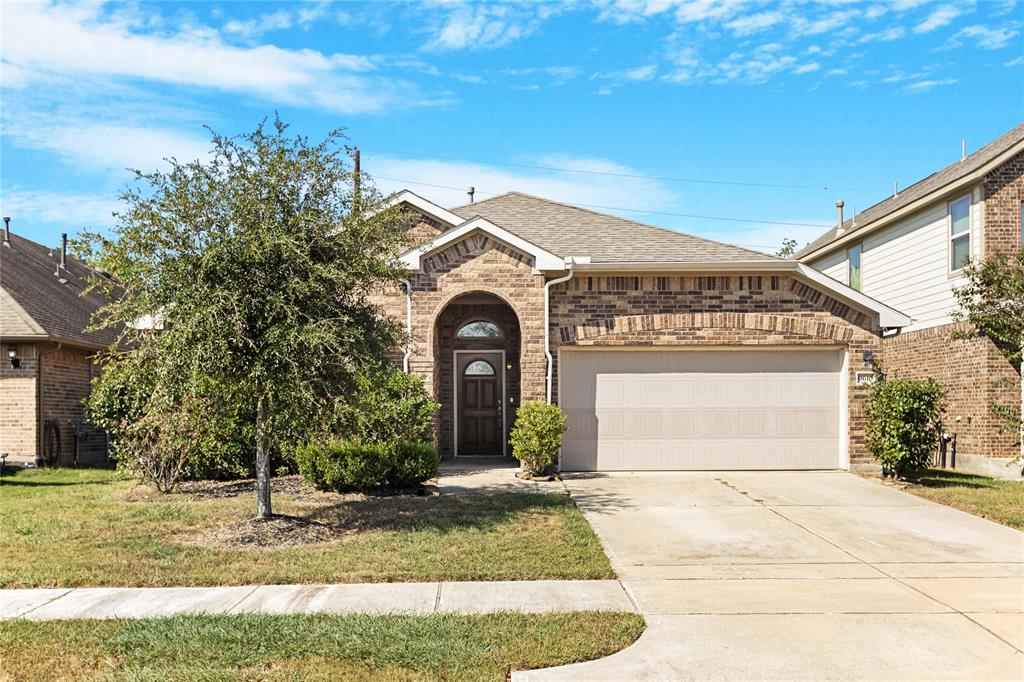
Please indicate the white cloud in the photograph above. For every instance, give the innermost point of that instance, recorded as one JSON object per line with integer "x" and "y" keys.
{"x": 107, "y": 147}
{"x": 1015, "y": 62}
{"x": 836, "y": 72}
{"x": 921, "y": 86}
{"x": 889, "y": 34}
{"x": 557, "y": 75}
{"x": 42, "y": 40}
{"x": 275, "y": 21}
{"x": 392, "y": 174}
{"x": 639, "y": 73}
{"x": 940, "y": 17}
{"x": 478, "y": 27}
{"x": 984, "y": 37}
{"x": 807, "y": 68}
{"x": 831, "y": 21}
{"x": 70, "y": 211}
{"x": 753, "y": 23}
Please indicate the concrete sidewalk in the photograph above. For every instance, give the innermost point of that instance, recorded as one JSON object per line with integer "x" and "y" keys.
{"x": 539, "y": 596}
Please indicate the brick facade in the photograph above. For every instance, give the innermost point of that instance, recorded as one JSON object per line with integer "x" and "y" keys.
{"x": 19, "y": 408}
{"x": 629, "y": 309}
{"x": 66, "y": 376}
{"x": 1004, "y": 194}
{"x": 714, "y": 310}
{"x": 974, "y": 374}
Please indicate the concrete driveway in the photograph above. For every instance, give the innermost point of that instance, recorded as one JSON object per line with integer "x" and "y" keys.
{"x": 802, "y": 576}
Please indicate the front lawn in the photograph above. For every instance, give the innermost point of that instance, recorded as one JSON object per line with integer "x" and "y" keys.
{"x": 259, "y": 647}
{"x": 990, "y": 498}
{"x": 88, "y": 527}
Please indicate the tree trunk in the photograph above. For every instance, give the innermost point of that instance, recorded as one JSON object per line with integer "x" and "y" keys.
{"x": 262, "y": 461}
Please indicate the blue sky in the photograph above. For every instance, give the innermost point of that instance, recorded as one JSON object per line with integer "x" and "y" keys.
{"x": 658, "y": 109}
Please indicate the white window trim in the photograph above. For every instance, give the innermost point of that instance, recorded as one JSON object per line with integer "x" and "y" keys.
{"x": 969, "y": 233}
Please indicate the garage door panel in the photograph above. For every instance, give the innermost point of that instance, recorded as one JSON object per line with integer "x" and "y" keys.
{"x": 658, "y": 410}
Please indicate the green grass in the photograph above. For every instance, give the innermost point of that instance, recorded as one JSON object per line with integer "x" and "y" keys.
{"x": 990, "y": 498}
{"x": 81, "y": 527}
{"x": 327, "y": 647}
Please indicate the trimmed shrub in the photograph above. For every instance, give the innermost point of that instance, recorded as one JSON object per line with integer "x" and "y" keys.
{"x": 537, "y": 436}
{"x": 904, "y": 424}
{"x": 347, "y": 465}
{"x": 386, "y": 405}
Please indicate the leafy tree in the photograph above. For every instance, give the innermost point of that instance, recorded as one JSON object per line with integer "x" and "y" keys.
{"x": 993, "y": 301}
{"x": 259, "y": 261}
{"x": 787, "y": 249}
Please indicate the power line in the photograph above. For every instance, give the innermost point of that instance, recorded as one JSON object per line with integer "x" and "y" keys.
{"x": 702, "y": 181}
{"x": 817, "y": 226}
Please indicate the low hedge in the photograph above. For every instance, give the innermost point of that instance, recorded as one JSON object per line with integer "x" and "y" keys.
{"x": 536, "y": 436}
{"x": 345, "y": 465}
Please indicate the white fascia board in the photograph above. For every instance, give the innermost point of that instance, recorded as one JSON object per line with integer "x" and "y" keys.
{"x": 888, "y": 318}
{"x": 427, "y": 207}
{"x": 545, "y": 260}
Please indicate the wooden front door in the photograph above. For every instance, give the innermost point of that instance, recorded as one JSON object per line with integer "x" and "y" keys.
{"x": 480, "y": 401}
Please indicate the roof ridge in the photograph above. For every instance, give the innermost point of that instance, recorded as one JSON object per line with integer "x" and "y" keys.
{"x": 677, "y": 233}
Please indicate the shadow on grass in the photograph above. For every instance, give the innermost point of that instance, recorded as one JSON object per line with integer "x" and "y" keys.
{"x": 443, "y": 513}
{"x": 935, "y": 478}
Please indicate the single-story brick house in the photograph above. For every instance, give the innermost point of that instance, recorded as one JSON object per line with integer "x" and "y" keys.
{"x": 46, "y": 367}
{"x": 665, "y": 351}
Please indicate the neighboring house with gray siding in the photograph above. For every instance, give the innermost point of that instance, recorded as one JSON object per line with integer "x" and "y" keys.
{"x": 909, "y": 252}
{"x": 46, "y": 366}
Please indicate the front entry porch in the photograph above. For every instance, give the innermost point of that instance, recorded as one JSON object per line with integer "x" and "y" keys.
{"x": 476, "y": 376}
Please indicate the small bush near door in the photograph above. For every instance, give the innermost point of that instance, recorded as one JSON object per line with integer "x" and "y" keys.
{"x": 904, "y": 424}
{"x": 537, "y": 436}
{"x": 346, "y": 465}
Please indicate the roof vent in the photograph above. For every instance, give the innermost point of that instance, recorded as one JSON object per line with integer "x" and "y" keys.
{"x": 470, "y": 192}
{"x": 7, "y": 231}
{"x": 64, "y": 251}
{"x": 839, "y": 217}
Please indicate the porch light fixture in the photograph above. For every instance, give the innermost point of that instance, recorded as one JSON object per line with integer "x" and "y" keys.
{"x": 12, "y": 354}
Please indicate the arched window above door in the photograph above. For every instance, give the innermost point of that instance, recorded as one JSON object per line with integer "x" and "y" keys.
{"x": 479, "y": 329}
{"x": 479, "y": 368}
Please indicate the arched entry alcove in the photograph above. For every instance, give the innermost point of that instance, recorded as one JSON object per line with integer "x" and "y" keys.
{"x": 476, "y": 374}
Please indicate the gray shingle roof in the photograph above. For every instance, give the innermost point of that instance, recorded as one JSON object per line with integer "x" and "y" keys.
{"x": 566, "y": 230}
{"x": 27, "y": 275}
{"x": 932, "y": 183}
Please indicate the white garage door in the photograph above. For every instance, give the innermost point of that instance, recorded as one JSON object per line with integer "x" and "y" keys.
{"x": 696, "y": 409}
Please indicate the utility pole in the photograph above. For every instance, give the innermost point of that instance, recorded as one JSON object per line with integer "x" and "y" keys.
{"x": 356, "y": 179}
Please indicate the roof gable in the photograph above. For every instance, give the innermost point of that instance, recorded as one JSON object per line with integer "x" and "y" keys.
{"x": 543, "y": 259}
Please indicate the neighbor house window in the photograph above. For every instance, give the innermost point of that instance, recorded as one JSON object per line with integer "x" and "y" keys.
{"x": 478, "y": 329}
{"x": 959, "y": 233}
{"x": 853, "y": 266}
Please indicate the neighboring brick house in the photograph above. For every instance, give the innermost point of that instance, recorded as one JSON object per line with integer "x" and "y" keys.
{"x": 46, "y": 366}
{"x": 909, "y": 251}
{"x": 665, "y": 350}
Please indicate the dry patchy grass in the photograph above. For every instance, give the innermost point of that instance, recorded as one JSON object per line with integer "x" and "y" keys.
{"x": 990, "y": 498}
{"x": 82, "y": 527}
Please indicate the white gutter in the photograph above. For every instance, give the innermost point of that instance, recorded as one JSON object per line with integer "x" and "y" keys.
{"x": 547, "y": 315}
{"x": 408, "y": 325}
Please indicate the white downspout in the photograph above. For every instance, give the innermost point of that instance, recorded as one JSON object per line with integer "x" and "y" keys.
{"x": 408, "y": 325}
{"x": 547, "y": 315}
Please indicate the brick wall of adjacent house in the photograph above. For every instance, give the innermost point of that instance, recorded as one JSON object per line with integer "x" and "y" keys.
{"x": 19, "y": 431}
{"x": 974, "y": 375}
{"x": 714, "y": 310}
{"x": 1004, "y": 192}
{"x": 67, "y": 377}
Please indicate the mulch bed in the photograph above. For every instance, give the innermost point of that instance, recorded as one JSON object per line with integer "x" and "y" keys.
{"x": 277, "y": 531}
